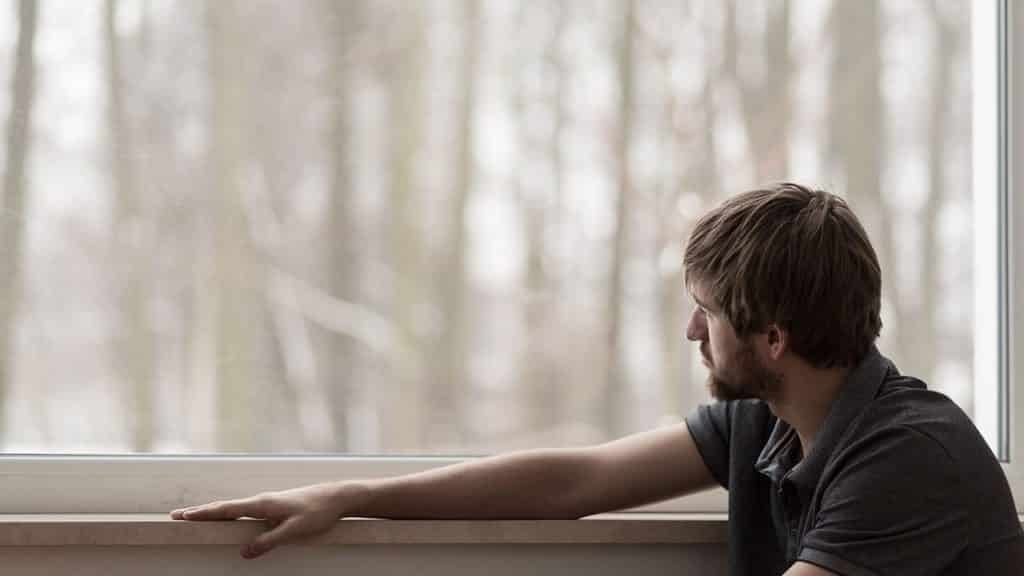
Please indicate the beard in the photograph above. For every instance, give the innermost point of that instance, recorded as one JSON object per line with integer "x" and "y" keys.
{"x": 745, "y": 377}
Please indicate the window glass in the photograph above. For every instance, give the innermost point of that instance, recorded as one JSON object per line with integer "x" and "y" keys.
{"x": 442, "y": 227}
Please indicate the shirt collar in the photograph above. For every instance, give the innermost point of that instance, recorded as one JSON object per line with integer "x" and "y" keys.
{"x": 780, "y": 456}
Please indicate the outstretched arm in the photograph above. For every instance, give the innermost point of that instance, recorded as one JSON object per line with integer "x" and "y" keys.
{"x": 536, "y": 484}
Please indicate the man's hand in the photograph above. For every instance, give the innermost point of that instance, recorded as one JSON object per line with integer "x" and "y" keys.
{"x": 553, "y": 483}
{"x": 290, "y": 514}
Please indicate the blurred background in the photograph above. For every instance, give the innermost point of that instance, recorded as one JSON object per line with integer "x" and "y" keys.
{"x": 440, "y": 227}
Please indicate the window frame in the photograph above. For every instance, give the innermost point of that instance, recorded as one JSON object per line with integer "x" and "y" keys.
{"x": 154, "y": 484}
{"x": 1013, "y": 179}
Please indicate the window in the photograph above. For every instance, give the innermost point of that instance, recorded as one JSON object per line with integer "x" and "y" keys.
{"x": 1012, "y": 84}
{"x": 409, "y": 232}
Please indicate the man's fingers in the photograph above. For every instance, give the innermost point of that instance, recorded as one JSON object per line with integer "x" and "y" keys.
{"x": 270, "y": 539}
{"x": 224, "y": 510}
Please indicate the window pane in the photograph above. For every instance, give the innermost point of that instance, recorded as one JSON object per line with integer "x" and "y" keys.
{"x": 448, "y": 226}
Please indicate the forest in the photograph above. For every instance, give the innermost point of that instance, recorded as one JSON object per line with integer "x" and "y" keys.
{"x": 440, "y": 227}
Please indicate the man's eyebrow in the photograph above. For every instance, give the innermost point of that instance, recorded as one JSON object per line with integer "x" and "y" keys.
{"x": 701, "y": 304}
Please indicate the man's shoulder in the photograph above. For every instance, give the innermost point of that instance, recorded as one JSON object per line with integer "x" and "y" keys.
{"x": 905, "y": 427}
{"x": 905, "y": 406}
{"x": 917, "y": 441}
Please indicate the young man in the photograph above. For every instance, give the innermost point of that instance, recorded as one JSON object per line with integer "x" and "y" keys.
{"x": 834, "y": 462}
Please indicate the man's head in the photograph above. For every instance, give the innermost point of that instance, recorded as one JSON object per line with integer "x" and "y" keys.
{"x": 783, "y": 270}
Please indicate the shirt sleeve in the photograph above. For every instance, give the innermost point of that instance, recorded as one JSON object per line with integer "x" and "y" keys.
{"x": 895, "y": 506}
{"x": 709, "y": 427}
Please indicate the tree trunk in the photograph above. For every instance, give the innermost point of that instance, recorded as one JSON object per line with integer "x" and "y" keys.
{"x": 765, "y": 101}
{"x": 134, "y": 341}
{"x": 14, "y": 195}
{"x": 923, "y": 351}
{"x": 616, "y": 380}
{"x": 341, "y": 253}
{"x": 405, "y": 390}
{"x": 544, "y": 390}
{"x": 856, "y": 129}
{"x": 448, "y": 382}
{"x": 237, "y": 316}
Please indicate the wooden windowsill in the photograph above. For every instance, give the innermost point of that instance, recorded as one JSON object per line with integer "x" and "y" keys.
{"x": 159, "y": 530}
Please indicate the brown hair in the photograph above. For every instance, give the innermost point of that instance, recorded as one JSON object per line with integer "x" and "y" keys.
{"x": 795, "y": 257}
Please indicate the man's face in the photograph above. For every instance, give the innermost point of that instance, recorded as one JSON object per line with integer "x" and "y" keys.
{"x": 735, "y": 371}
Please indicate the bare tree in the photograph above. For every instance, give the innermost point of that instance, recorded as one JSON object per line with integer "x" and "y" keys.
{"x": 405, "y": 390}
{"x": 448, "y": 379}
{"x": 922, "y": 351}
{"x": 856, "y": 143}
{"x": 615, "y": 374}
{"x": 340, "y": 237}
{"x": 237, "y": 320}
{"x": 764, "y": 97}
{"x": 133, "y": 340}
{"x": 14, "y": 192}
{"x": 544, "y": 395}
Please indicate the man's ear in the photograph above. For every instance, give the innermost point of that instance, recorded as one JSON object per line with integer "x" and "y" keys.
{"x": 778, "y": 341}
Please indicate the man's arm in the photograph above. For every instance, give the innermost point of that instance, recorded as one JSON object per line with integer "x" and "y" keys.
{"x": 540, "y": 484}
{"x": 551, "y": 483}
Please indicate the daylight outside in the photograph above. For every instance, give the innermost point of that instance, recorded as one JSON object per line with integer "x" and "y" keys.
{"x": 445, "y": 227}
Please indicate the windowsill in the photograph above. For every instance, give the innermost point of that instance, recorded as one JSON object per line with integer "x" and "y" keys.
{"x": 159, "y": 530}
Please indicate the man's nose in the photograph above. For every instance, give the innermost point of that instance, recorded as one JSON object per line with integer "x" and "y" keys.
{"x": 696, "y": 328}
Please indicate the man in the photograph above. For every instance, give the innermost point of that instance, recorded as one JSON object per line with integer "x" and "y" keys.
{"x": 834, "y": 462}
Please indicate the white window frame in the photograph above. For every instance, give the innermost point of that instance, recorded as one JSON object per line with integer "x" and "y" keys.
{"x": 1014, "y": 126}
{"x": 154, "y": 484}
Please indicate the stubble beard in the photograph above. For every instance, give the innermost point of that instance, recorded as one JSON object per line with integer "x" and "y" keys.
{"x": 748, "y": 378}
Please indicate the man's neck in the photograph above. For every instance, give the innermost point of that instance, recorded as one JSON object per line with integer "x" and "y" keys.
{"x": 804, "y": 398}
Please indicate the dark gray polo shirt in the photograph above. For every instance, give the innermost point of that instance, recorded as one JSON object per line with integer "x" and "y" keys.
{"x": 897, "y": 481}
